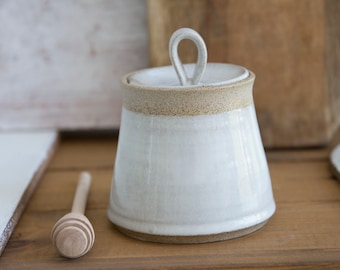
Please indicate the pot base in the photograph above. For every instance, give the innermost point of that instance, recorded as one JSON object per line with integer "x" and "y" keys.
{"x": 190, "y": 239}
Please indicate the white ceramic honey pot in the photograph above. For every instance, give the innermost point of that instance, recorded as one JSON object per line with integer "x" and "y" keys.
{"x": 190, "y": 164}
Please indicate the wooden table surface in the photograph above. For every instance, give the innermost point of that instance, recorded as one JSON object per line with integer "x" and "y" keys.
{"x": 304, "y": 233}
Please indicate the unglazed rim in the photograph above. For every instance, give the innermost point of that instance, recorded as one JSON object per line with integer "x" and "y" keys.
{"x": 190, "y": 239}
{"x": 191, "y": 100}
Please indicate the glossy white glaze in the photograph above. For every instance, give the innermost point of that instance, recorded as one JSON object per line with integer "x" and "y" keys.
{"x": 190, "y": 175}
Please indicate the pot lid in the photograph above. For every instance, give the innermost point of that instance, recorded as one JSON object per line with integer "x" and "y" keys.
{"x": 215, "y": 74}
{"x": 203, "y": 73}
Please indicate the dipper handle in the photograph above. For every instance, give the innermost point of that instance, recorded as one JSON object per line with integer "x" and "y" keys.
{"x": 82, "y": 191}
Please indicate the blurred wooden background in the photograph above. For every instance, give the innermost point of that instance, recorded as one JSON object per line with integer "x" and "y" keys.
{"x": 292, "y": 46}
{"x": 60, "y": 61}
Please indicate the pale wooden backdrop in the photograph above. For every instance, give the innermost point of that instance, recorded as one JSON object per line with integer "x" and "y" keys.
{"x": 60, "y": 61}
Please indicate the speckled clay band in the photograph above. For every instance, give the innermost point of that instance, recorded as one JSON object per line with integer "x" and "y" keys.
{"x": 187, "y": 100}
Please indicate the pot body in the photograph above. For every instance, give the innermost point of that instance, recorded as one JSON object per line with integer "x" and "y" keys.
{"x": 190, "y": 175}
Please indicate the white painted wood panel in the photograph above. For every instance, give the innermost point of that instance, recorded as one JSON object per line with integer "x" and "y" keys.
{"x": 23, "y": 158}
{"x": 61, "y": 61}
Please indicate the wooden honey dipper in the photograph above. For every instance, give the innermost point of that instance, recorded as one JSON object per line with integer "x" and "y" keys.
{"x": 73, "y": 234}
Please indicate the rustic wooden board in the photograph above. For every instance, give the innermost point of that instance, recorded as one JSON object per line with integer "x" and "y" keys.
{"x": 304, "y": 233}
{"x": 23, "y": 159}
{"x": 292, "y": 46}
{"x": 61, "y": 61}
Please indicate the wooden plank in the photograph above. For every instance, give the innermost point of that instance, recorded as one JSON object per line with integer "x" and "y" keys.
{"x": 61, "y": 61}
{"x": 289, "y": 239}
{"x": 303, "y": 233}
{"x": 292, "y": 235}
{"x": 23, "y": 159}
{"x": 84, "y": 153}
{"x": 293, "y": 48}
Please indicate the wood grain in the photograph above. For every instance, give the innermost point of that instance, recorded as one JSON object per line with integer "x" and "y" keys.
{"x": 293, "y": 48}
{"x": 304, "y": 233}
{"x": 61, "y": 61}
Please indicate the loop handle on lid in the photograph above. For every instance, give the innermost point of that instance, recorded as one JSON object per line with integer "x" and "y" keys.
{"x": 176, "y": 38}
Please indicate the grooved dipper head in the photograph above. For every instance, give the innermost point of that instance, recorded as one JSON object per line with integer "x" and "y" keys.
{"x": 73, "y": 235}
